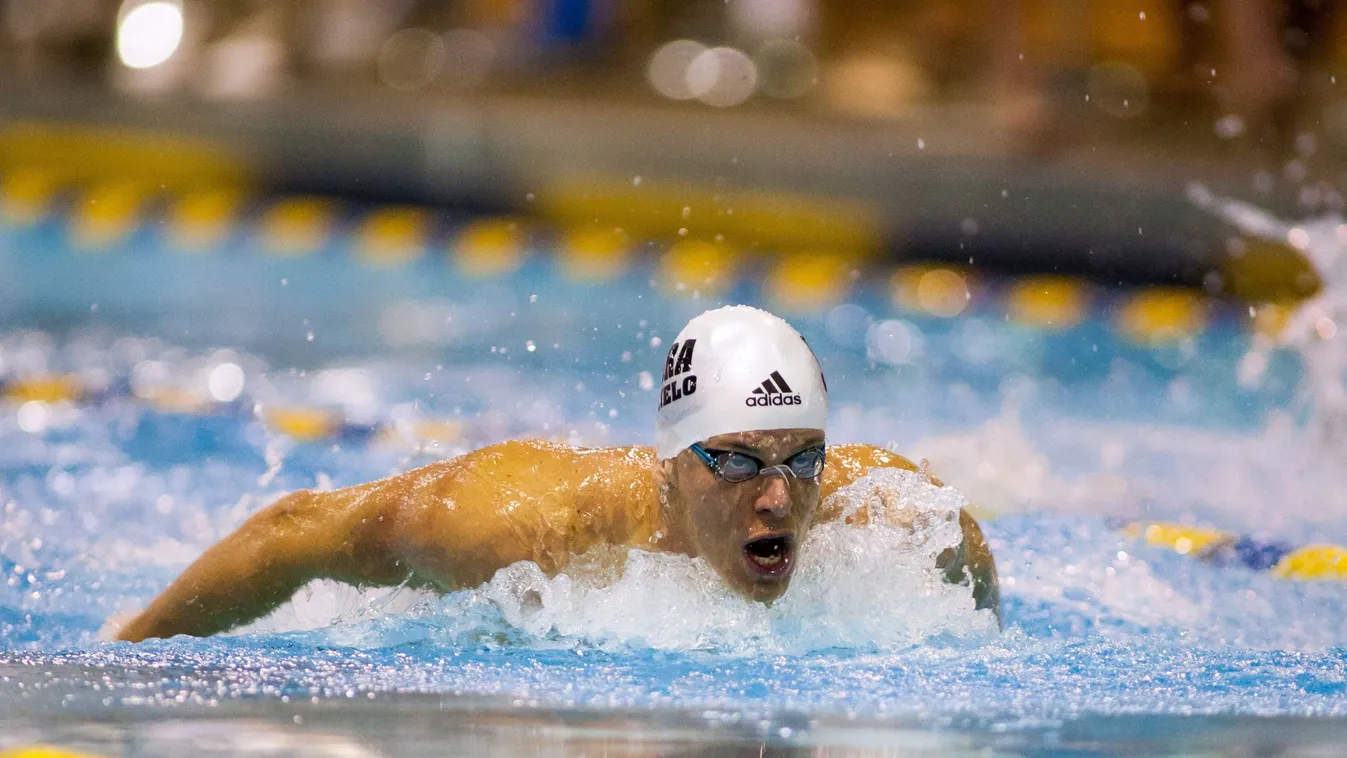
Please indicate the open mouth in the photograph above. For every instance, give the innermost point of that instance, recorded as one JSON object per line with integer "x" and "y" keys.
{"x": 770, "y": 556}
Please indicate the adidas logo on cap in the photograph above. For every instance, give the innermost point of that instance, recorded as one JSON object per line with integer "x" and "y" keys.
{"x": 774, "y": 391}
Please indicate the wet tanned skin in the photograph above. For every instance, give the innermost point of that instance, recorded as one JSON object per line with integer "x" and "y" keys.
{"x": 453, "y": 524}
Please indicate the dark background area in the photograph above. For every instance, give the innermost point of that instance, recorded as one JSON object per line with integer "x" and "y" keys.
{"x": 1043, "y": 135}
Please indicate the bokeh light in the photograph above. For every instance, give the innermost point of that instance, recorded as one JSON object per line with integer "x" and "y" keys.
{"x": 786, "y": 69}
{"x": 667, "y": 71}
{"x": 892, "y": 341}
{"x": 722, "y": 77}
{"x": 226, "y": 382}
{"x": 411, "y": 59}
{"x": 148, "y": 34}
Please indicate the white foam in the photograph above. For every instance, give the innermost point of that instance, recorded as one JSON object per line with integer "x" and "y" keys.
{"x": 326, "y": 603}
{"x": 873, "y": 586}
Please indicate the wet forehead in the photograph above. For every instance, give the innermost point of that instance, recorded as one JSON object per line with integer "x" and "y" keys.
{"x": 769, "y": 445}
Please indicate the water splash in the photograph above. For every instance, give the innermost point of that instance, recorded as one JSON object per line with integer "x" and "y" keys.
{"x": 857, "y": 587}
{"x": 1313, "y": 328}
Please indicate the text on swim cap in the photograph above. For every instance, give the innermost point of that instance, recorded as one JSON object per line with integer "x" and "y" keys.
{"x": 678, "y": 363}
{"x": 773, "y": 391}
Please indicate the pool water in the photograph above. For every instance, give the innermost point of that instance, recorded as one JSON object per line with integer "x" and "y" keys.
{"x": 190, "y": 365}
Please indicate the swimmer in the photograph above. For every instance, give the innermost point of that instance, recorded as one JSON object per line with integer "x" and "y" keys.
{"x": 739, "y": 473}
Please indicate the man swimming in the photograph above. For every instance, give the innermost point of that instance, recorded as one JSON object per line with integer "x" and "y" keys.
{"x": 737, "y": 478}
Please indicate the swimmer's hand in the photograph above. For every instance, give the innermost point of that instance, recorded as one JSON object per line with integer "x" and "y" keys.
{"x": 114, "y": 624}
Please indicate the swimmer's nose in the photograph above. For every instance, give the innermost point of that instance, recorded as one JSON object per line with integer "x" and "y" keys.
{"x": 775, "y": 497}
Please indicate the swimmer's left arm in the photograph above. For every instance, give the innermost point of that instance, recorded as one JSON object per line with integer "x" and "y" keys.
{"x": 971, "y": 562}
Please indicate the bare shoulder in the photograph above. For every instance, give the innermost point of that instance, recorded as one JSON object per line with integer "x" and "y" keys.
{"x": 527, "y": 453}
{"x": 459, "y": 521}
{"x": 849, "y": 462}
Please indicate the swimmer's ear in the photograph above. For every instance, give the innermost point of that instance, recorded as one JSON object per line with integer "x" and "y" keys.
{"x": 664, "y": 472}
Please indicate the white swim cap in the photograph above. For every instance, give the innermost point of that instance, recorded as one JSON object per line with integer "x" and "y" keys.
{"x": 737, "y": 369}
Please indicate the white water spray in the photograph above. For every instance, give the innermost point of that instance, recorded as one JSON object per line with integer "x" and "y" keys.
{"x": 860, "y": 587}
{"x": 1313, "y": 329}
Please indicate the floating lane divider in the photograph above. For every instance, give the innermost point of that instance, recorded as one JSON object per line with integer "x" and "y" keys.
{"x": 1162, "y": 316}
{"x": 594, "y": 256}
{"x": 943, "y": 291}
{"x": 1314, "y": 562}
{"x": 297, "y": 226}
{"x": 302, "y": 423}
{"x": 1051, "y": 303}
{"x": 44, "y": 751}
{"x": 697, "y": 268}
{"x": 391, "y": 237}
{"x": 197, "y": 217}
{"x": 27, "y": 195}
{"x": 108, "y": 213}
{"x": 199, "y": 220}
{"x": 806, "y": 282}
{"x": 490, "y": 247}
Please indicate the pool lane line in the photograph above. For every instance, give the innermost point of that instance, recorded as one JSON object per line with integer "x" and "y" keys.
{"x": 200, "y": 220}
{"x": 807, "y": 282}
{"x": 1312, "y": 562}
{"x": 199, "y": 215}
{"x": 44, "y": 751}
{"x": 1161, "y": 316}
{"x": 594, "y": 255}
{"x": 27, "y": 195}
{"x": 698, "y": 268}
{"x": 295, "y": 227}
{"x": 393, "y": 236}
{"x": 1046, "y": 302}
{"x": 489, "y": 247}
{"x": 302, "y": 423}
{"x": 106, "y": 215}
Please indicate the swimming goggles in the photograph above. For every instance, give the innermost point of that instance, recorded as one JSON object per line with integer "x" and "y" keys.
{"x": 740, "y": 467}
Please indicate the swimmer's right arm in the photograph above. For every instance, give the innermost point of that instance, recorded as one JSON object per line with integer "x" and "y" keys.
{"x": 448, "y": 525}
{"x": 303, "y": 536}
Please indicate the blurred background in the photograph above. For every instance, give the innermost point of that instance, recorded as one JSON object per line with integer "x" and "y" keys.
{"x": 1018, "y": 135}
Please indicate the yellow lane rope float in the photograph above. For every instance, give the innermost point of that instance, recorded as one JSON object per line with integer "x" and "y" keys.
{"x": 44, "y": 751}
{"x": 1315, "y": 562}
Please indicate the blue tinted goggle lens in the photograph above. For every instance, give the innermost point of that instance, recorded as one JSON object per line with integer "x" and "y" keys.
{"x": 738, "y": 467}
